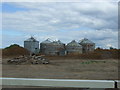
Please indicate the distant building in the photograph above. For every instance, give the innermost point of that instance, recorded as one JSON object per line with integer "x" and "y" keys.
{"x": 49, "y": 47}
{"x": 52, "y": 48}
{"x": 73, "y": 48}
{"x": 57, "y": 48}
{"x": 44, "y": 46}
{"x": 87, "y": 45}
{"x": 32, "y": 45}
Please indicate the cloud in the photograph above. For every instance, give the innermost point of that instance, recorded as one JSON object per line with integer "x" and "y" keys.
{"x": 102, "y": 38}
{"x": 93, "y": 15}
{"x": 65, "y": 21}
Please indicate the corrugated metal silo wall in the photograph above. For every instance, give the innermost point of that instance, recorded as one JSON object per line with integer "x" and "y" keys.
{"x": 42, "y": 48}
{"x": 93, "y": 46}
{"x": 88, "y": 48}
{"x": 32, "y": 46}
{"x": 51, "y": 49}
{"x": 74, "y": 49}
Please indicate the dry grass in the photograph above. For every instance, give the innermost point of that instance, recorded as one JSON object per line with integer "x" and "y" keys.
{"x": 96, "y": 65}
{"x": 65, "y": 69}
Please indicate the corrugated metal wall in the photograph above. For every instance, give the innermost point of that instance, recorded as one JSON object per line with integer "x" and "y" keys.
{"x": 53, "y": 48}
{"x": 73, "y": 48}
{"x": 32, "y": 46}
{"x": 88, "y": 46}
{"x": 58, "y": 48}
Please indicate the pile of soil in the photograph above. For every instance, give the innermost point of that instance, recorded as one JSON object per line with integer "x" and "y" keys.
{"x": 14, "y": 50}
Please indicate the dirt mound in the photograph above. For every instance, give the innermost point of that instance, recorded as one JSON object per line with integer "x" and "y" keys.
{"x": 14, "y": 50}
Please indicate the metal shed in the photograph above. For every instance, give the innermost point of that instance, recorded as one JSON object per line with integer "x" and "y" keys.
{"x": 87, "y": 45}
{"x": 32, "y": 45}
{"x": 73, "y": 48}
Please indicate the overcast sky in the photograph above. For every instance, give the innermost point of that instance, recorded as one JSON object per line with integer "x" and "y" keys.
{"x": 66, "y": 21}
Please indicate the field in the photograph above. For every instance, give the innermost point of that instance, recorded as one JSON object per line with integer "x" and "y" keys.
{"x": 106, "y": 69}
{"x": 101, "y": 64}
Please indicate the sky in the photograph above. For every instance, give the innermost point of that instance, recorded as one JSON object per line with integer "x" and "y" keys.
{"x": 65, "y": 21}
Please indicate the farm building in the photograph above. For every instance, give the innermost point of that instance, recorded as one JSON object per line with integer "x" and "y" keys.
{"x": 87, "y": 45}
{"x": 32, "y": 45}
{"x": 53, "y": 48}
{"x": 49, "y": 47}
{"x": 44, "y": 46}
{"x": 73, "y": 48}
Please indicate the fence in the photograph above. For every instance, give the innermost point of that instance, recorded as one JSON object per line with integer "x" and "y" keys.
{"x": 61, "y": 83}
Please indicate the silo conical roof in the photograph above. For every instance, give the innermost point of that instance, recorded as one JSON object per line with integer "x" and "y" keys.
{"x": 73, "y": 43}
{"x": 46, "y": 41}
{"x": 31, "y": 39}
{"x": 60, "y": 42}
{"x": 57, "y": 42}
{"x": 86, "y": 41}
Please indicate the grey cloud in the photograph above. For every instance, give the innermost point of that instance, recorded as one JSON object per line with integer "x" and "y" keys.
{"x": 51, "y": 18}
{"x": 67, "y": 15}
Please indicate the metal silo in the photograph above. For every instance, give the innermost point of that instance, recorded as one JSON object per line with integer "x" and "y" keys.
{"x": 32, "y": 45}
{"x": 57, "y": 48}
{"x": 73, "y": 48}
{"x": 52, "y": 48}
{"x": 44, "y": 46}
{"x": 87, "y": 45}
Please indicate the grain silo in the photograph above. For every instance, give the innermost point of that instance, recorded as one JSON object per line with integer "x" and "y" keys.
{"x": 73, "y": 48}
{"x": 32, "y": 45}
{"x": 57, "y": 48}
{"x": 44, "y": 46}
{"x": 87, "y": 45}
{"x": 53, "y": 48}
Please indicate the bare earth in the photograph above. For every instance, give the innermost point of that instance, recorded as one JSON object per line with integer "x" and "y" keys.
{"x": 65, "y": 69}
